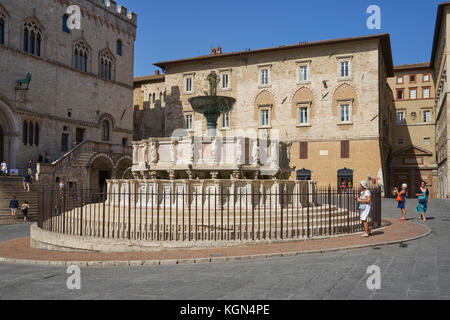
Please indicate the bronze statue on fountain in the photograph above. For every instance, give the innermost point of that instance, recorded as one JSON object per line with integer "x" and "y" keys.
{"x": 212, "y": 105}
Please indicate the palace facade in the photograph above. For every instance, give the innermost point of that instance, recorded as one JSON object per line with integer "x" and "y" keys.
{"x": 77, "y": 87}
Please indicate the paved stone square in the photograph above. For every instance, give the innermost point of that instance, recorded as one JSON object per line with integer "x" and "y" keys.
{"x": 413, "y": 270}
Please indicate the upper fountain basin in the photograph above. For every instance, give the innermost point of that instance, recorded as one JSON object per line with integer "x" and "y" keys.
{"x": 212, "y": 104}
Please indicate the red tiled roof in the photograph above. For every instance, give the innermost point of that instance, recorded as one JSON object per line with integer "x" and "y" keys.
{"x": 384, "y": 38}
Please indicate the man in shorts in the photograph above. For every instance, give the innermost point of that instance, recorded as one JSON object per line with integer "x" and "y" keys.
{"x": 13, "y": 206}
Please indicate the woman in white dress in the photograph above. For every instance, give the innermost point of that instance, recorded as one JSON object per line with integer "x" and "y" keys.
{"x": 365, "y": 206}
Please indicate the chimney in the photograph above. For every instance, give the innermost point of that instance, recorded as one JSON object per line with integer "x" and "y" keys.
{"x": 219, "y": 50}
{"x": 156, "y": 72}
{"x": 213, "y": 51}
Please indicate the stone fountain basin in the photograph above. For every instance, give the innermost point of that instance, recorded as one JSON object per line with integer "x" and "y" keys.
{"x": 212, "y": 104}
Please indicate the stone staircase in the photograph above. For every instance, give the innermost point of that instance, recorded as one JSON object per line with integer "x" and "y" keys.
{"x": 74, "y": 163}
{"x": 12, "y": 186}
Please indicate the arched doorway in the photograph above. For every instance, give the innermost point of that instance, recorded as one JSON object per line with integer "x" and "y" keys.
{"x": 1, "y": 144}
{"x": 8, "y": 135}
{"x": 101, "y": 167}
{"x": 123, "y": 170}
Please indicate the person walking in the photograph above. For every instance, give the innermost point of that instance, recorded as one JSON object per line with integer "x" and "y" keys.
{"x": 401, "y": 199}
{"x": 423, "y": 198}
{"x": 26, "y": 181}
{"x": 30, "y": 167}
{"x": 24, "y": 208}
{"x": 365, "y": 206}
{"x": 13, "y": 206}
{"x": 4, "y": 168}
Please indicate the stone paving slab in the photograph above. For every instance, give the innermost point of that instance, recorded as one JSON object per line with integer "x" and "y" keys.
{"x": 18, "y": 251}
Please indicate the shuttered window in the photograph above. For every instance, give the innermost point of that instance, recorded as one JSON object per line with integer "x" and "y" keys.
{"x": 303, "y": 150}
{"x": 345, "y": 149}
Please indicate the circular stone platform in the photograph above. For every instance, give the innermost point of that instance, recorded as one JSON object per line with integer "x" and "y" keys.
{"x": 19, "y": 251}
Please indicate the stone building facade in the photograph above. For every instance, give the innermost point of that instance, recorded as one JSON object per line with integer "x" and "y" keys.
{"x": 413, "y": 156}
{"x": 439, "y": 63}
{"x": 329, "y": 101}
{"x": 149, "y": 106}
{"x": 81, "y": 80}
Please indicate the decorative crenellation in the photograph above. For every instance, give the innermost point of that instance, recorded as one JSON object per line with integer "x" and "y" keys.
{"x": 110, "y": 6}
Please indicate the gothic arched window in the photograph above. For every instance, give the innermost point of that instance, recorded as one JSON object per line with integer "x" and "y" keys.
{"x": 2, "y": 26}
{"x": 25, "y": 132}
{"x": 106, "y": 65}
{"x": 105, "y": 130}
{"x": 32, "y": 38}
{"x": 81, "y": 57}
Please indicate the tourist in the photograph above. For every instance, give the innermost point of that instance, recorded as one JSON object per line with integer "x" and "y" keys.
{"x": 30, "y": 167}
{"x": 24, "y": 208}
{"x": 4, "y": 168}
{"x": 365, "y": 206}
{"x": 423, "y": 198}
{"x": 46, "y": 157}
{"x": 401, "y": 199}
{"x": 26, "y": 181}
{"x": 41, "y": 158}
{"x": 13, "y": 206}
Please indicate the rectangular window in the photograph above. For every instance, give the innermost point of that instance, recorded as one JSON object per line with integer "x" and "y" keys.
{"x": 345, "y": 113}
{"x": 225, "y": 81}
{"x": 412, "y": 78}
{"x": 400, "y": 141}
{"x": 345, "y": 149}
{"x": 65, "y": 28}
{"x": 413, "y": 93}
{"x": 265, "y": 118}
{"x": 427, "y": 141}
{"x": 124, "y": 142}
{"x": 188, "y": 86}
{"x": 303, "y": 150}
{"x": 264, "y": 77}
{"x": 401, "y": 117}
{"x": 400, "y": 80}
{"x": 136, "y": 129}
{"x": 426, "y": 93}
{"x": 64, "y": 142}
{"x": 426, "y": 116}
{"x": 426, "y": 77}
{"x": 189, "y": 122}
{"x": 304, "y": 73}
{"x": 2, "y": 31}
{"x": 400, "y": 94}
{"x": 345, "y": 69}
{"x": 226, "y": 120}
{"x": 304, "y": 117}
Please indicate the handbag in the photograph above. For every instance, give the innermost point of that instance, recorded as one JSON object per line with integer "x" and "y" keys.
{"x": 399, "y": 198}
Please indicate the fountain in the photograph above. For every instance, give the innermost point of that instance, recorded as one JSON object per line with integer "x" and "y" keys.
{"x": 212, "y": 106}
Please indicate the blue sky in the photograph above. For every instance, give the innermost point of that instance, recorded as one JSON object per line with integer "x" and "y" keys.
{"x": 175, "y": 29}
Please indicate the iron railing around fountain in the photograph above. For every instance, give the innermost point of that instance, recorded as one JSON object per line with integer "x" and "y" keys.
{"x": 174, "y": 216}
